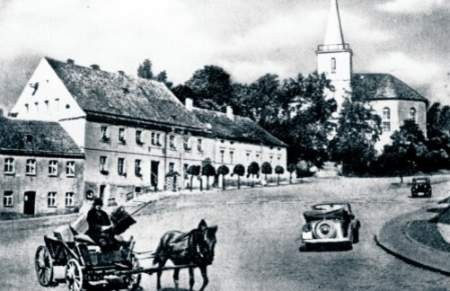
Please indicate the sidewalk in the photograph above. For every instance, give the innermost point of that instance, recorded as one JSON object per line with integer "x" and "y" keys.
{"x": 396, "y": 238}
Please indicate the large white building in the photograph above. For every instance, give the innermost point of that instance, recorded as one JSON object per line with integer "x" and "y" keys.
{"x": 133, "y": 132}
{"x": 391, "y": 98}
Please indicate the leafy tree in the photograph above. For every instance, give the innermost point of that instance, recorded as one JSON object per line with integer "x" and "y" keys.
{"x": 193, "y": 170}
{"x": 145, "y": 70}
{"x": 407, "y": 151}
{"x": 279, "y": 170}
{"x": 211, "y": 87}
{"x": 354, "y": 143}
{"x": 162, "y": 77}
{"x": 208, "y": 170}
{"x": 182, "y": 92}
{"x": 239, "y": 170}
{"x": 291, "y": 169}
{"x": 253, "y": 170}
{"x": 223, "y": 171}
{"x": 266, "y": 169}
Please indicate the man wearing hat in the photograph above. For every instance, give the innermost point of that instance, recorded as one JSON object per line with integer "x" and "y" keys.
{"x": 100, "y": 228}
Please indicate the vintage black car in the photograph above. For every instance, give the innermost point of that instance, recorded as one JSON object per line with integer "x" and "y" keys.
{"x": 421, "y": 186}
{"x": 330, "y": 223}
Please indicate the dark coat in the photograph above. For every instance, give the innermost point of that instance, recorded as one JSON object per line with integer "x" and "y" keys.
{"x": 96, "y": 218}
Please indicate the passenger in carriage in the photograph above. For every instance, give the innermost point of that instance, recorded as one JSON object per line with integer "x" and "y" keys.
{"x": 101, "y": 230}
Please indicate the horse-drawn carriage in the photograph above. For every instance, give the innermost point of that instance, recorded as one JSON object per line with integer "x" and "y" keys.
{"x": 82, "y": 265}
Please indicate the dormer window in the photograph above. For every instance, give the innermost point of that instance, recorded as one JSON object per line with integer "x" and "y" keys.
{"x": 104, "y": 132}
{"x": 122, "y": 135}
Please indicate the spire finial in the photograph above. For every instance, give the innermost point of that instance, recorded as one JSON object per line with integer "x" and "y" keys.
{"x": 334, "y": 35}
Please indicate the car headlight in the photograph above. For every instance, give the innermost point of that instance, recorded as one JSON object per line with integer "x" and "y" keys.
{"x": 306, "y": 227}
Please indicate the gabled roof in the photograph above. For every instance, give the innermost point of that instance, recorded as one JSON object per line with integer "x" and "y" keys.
{"x": 240, "y": 128}
{"x": 37, "y": 138}
{"x": 116, "y": 94}
{"x": 383, "y": 87}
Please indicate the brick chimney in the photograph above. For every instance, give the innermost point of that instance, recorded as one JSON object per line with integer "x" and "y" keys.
{"x": 70, "y": 61}
{"x": 188, "y": 102}
{"x": 230, "y": 113}
{"x": 95, "y": 67}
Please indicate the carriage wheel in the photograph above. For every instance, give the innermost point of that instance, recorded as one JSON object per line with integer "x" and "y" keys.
{"x": 74, "y": 275}
{"x": 44, "y": 266}
{"x": 135, "y": 279}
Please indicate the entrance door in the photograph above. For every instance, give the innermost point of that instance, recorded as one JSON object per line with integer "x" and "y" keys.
{"x": 154, "y": 174}
{"x": 28, "y": 202}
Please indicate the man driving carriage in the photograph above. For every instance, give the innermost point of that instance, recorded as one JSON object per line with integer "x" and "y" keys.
{"x": 100, "y": 228}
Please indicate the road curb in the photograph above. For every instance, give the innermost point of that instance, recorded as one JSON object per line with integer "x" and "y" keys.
{"x": 393, "y": 239}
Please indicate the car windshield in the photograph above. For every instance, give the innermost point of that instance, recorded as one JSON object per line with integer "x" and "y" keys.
{"x": 422, "y": 181}
{"x": 330, "y": 206}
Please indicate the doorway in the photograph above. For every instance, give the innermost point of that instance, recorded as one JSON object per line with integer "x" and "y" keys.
{"x": 29, "y": 199}
{"x": 154, "y": 173}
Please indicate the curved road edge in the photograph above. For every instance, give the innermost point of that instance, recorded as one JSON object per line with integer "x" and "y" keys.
{"x": 394, "y": 239}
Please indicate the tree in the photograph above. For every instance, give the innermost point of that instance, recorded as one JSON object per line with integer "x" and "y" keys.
{"x": 239, "y": 170}
{"x": 279, "y": 170}
{"x": 223, "y": 171}
{"x": 193, "y": 170}
{"x": 266, "y": 169}
{"x": 407, "y": 151}
{"x": 291, "y": 169}
{"x": 208, "y": 170}
{"x": 354, "y": 143}
{"x": 211, "y": 87}
{"x": 145, "y": 70}
{"x": 253, "y": 170}
{"x": 163, "y": 78}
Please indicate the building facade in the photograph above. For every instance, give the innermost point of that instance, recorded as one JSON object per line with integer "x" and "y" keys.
{"x": 134, "y": 132}
{"x": 40, "y": 168}
{"x": 393, "y": 100}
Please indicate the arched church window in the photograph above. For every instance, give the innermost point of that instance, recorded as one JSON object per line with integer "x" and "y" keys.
{"x": 333, "y": 65}
{"x": 386, "y": 120}
{"x": 412, "y": 114}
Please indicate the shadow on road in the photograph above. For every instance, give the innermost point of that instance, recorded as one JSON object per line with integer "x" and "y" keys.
{"x": 325, "y": 248}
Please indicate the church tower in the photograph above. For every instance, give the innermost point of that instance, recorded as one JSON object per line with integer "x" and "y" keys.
{"x": 334, "y": 57}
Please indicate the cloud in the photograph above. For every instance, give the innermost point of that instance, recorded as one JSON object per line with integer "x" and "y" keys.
{"x": 414, "y": 6}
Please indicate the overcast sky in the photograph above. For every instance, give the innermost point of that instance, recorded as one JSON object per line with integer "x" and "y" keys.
{"x": 408, "y": 38}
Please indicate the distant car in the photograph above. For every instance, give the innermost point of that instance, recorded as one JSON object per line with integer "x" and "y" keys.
{"x": 421, "y": 185}
{"x": 330, "y": 223}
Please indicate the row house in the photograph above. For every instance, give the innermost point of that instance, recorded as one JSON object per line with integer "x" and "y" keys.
{"x": 134, "y": 132}
{"x": 40, "y": 165}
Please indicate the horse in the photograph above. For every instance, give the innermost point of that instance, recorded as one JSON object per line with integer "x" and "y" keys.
{"x": 194, "y": 248}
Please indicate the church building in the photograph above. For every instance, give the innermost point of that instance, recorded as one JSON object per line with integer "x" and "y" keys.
{"x": 392, "y": 99}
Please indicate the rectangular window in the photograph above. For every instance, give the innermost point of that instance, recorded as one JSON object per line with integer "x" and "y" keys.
{"x": 222, "y": 154}
{"x": 139, "y": 139}
{"x": 70, "y": 169}
{"x": 122, "y": 135}
{"x": 27, "y": 107}
{"x": 51, "y": 199}
{"x": 171, "y": 167}
{"x": 103, "y": 167}
{"x": 9, "y": 166}
{"x": 232, "y": 157}
{"x": 172, "y": 145}
{"x": 199, "y": 145}
{"x": 104, "y": 132}
{"x": 30, "y": 168}
{"x": 138, "y": 168}
{"x": 8, "y": 199}
{"x": 186, "y": 145}
{"x": 153, "y": 138}
{"x": 386, "y": 126}
{"x": 46, "y": 105}
{"x": 69, "y": 201}
{"x": 53, "y": 168}
{"x": 121, "y": 167}
{"x": 185, "y": 168}
{"x": 158, "y": 139}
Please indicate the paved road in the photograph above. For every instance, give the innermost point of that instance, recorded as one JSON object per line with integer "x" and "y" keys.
{"x": 258, "y": 240}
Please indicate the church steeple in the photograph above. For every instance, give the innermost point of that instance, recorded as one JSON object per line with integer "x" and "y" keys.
{"x": 334, "y": 56}
{"x": 334, "y": 35}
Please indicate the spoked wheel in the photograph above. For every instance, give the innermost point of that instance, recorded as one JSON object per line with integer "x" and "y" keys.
{"x": 74, "y": 275}
{"x": 134, "y": 280}
{"x": 44, "y": 266}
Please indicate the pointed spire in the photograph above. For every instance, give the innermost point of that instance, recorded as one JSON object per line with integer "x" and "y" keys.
{"x": 334, "y": 35}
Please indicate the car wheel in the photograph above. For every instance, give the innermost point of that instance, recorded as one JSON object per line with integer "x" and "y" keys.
{"x": 356, "y": 235}
{"x": 325, "y": 229}
{"x": 303, "y": 248}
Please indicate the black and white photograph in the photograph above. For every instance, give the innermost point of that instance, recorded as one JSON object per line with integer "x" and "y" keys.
{"x": 224, "y": 145}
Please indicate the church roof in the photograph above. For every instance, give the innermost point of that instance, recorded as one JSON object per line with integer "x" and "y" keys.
{"x": 240, "y": 128}
{"x": 121, "y": 96}
{"x": 38, "y": 138}
{"x": 334, "y": 34}
{"x": 382, "y": 87}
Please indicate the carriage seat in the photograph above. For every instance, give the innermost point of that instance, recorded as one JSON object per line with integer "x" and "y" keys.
{"x": 84, "y": 238}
